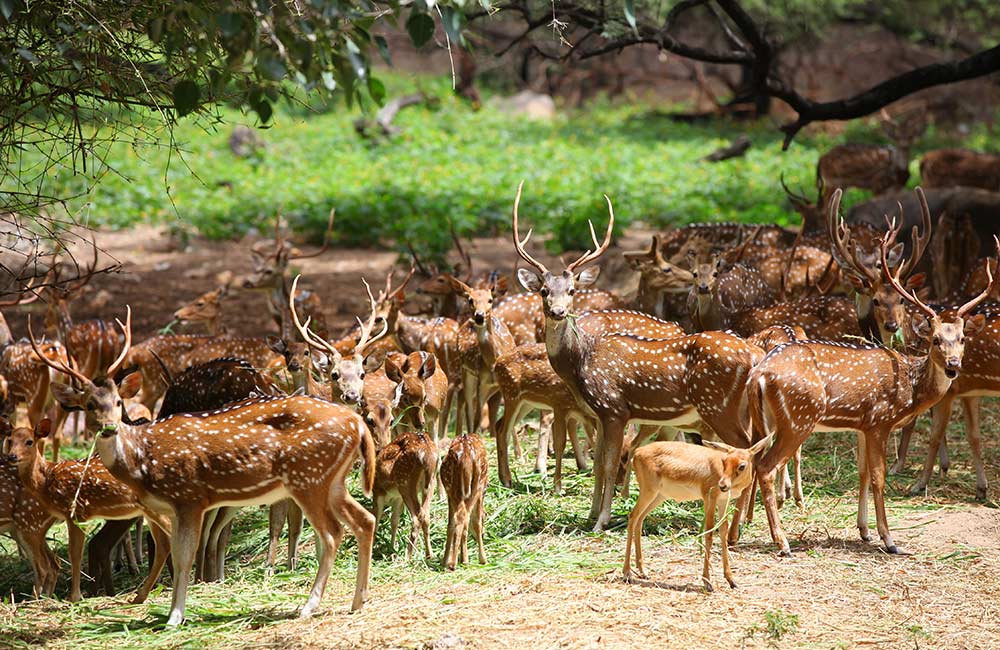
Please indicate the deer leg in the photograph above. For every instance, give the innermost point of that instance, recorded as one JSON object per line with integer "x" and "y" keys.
{"x": 412, "y": 502}
{"x": 362, "y": 524}
{"x": 395, "y": 509}
{"x": 478, "y": 521}
{"x": 184, "y": 540}
{"x": 442, "y": 421}
{"x": 162, "y": 540}
{"x": 425, "y": 513}
{"x": 559, "y": 443}
{"x": 294, "y": 531}
{"x": 766, "y": 468}
{"x": 614, "y": 432}
{"x": 644, "y": 505}
{"x": 448, "y": 560}
{"x": 732, "y": 536}
{"x": 130, "y": 556}
{"x": 800, "y": 499}
{"x": 544, "y": 438}
{"x": 329, "y": 534}
{"x": 206, "y": 527}
{"x": 75, "y": 558}
{"x": 139, "y": 551}
{"x": 463, "y": 540}
{"x": 511, "y": 412}
{"x": 903, "y": 449}
{"x": 579, "y": 446}
{"x": 723, "y": 535}
{"x": 218, "y": 539}
{"x": 276, "y": 516}
{"x": 599, "y": 453}
{"x": 876, "y": 469}
{"x": 971, "y": 405}
{"x": 864, "y": 483}
{"x": 707, "y": 528}
{"x": 940, "y": 415}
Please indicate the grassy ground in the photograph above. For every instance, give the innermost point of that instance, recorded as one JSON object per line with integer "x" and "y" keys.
{"x": 452, "y": 163}
{"x": 551, "y": 583}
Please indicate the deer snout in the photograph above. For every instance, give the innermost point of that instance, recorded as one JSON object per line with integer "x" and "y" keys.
{"x": 480, "y": 318}
{"x": 558, "y": 312}
{"x": 891, "y": 326}
{"x": 294, "y": 366}
{"x": 952, "y": 366}
{"x": 703, "y": 289}
{"x": 11, "y": 458}
{"x": 724, "y": 485}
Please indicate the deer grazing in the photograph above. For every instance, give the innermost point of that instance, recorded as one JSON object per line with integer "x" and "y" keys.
{"x": 420, "y": 389}
{"x": 206, "y": 309}
{"x": 257, "y": 451}
{"x": 812, "y": 385}
{"x": 76, "y": 491}
{"x": 714, "y": 473}
{"x": 685, "y": 382}
{"x": 464, "y": 473}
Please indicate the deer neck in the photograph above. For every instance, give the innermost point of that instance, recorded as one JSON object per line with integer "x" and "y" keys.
{"x": 124, "y": 453}
{"x": 35, "y": 475}
{"x": 928, "y": 381}
{"x": 566, "y": 344}
{"x": 407, "y": 333}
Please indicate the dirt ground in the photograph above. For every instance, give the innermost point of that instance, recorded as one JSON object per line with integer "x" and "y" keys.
{"x": 845, "y": 593}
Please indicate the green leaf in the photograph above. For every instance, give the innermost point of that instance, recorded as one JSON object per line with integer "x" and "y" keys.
{"x": 630, "y": 15}
{"x": 420, "y": 27}
{"x": 377, "y": 90}
{"x": 27, "y": 55}
{"x": 451, "y": 20}
{"x": 7, "y": 8}
{"x": 383, "y": 49}
{"x": 230, "y": 24}
{"x": 154, "y": 29}
{"x": 271, "y": 67}
{"x": 186, "y": 97}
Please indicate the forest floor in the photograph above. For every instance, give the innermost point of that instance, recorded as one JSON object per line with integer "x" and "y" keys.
{"x": 548, "y": 582}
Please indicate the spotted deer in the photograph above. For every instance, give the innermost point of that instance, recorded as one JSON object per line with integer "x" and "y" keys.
{"x": 29, "y": 379}
{"x": 464, "y": 473}
{"x": 806, "y": 386}
{"x": 526, "y": 381}
{"x": 877, "y": 168}
{"x": 257, "y": 451}
{"x": 685, "y": 382}
{"x": 270, "y": 261}
{"x": 206, "y": 309}
{"x": 960, "y": 168}
{"x": 76, "y": 491}
{"x": 28, "y": 522}
{"x": 419, "y": 391}
{"x": 718, "y": 292}
{"x": 659, "y": 280}
{"x": 404, "y": 476}
{"x": 714, "y": 473}
{"x": 347, "y": 373}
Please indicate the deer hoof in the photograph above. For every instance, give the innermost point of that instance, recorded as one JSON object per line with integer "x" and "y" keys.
{"x": 980, "y": 493}
{"x": 785, "y": 552}
{"x": 917, "y": 490}
{"x": 892, "y": 549}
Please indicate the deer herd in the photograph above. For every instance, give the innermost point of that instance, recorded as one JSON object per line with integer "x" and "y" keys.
{"x": 746, "y": 338}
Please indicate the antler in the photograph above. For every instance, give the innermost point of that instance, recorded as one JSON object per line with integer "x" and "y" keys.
{"x": 21, "y": 300}
{"x": 127, "y": 330}
{"x": 519, "y": 243}
{"x": 311, "y": 339}
{"x": 842, "y": 248}
{"x": 326, "y": 239}
{"x": 990, "y": 285}
{"x": 919, "y": 239}
{"x": 61, "y": 367}
{"x": 599, "y": 248}
{"x": 894, "y": 279}
{"x": 389, "y": 293}
{"x": 792, "y": 196}
{"x": 365, "y": 337}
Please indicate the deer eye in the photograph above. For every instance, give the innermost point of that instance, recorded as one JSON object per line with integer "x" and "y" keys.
{"x": 572, "y": 291}
{"x": 335, "y": 375}
{"x": 742, "y": 467}
{"x": 694, "y": 273}
{"x": 715, "y": 274}
{"x": 544, "y": 292}
{"x": 28, "y": 443}
{"x": 369, "y": 420}
{"x": 937, "y": 340}
{"x": 362, "y": 375}
{"x": 875, "y": 301}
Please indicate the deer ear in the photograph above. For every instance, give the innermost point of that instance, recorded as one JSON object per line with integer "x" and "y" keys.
{"x": 759, "y": 446}
{"x": 319, "y": 360}
{"x": 5, "y": 427}
{"x": 456, "y": 285}
{"x": 392, "y": 371}
{"x": 588, "y": 276}
{"x": 719, "y": 446}
{"x": 429, "y": 365}
{"x": 68, "y": 397}
{"x": 895, "y": 254}
{"x": 129, "y": 387}
{"x": 374, "y": 360}
{"x": 43, "y": 428}
{"x": 975, "y": 325}
{"x": 916, "y": 281}
{"x": 277, "y": 344}
{"x": 920, "y": 326}
{"x": 529, "y": 280}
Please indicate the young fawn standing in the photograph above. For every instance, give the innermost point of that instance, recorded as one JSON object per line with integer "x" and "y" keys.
{"x": 464, "y": 472}
{"x": 714, "y": 473}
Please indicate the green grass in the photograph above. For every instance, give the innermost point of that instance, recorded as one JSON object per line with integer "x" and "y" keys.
{"x": 452, "y": 163}
{"x": 529, "y": 530}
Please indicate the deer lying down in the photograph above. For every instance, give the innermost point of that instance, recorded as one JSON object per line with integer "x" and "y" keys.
{"x": 714, "y": 473}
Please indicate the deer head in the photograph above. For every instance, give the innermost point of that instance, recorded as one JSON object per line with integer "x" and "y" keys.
{"x": 347, "y": 373}
{"x": 657, "y": 273}
{"x": 557, "y": 289}
{"x": 101, "y": 398}
{"x": 206, "y": 308}
{"x": 480, "y": 300}
{"x": 269, "y": 259}
{"x": 411, "y": 392}
{"x": 737, "y": 465}
{"x": 945, "y": 339}
{"x": 390, "y": 301}
{"x": 705, "y": 275}
{"x": 378, "y": 417}
{"x": 22, "y": 449}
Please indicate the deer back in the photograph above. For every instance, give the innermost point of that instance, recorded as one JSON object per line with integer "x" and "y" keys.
{"x": 408, "y": 463}
{"x": 214, "y": 384}
{"x": 960, "y": 168}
